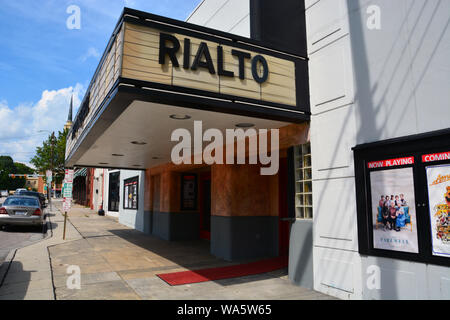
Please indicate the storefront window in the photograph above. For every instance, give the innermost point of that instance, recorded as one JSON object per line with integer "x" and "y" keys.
{"x": 131, "y": 194}
{"x": 303, "y": 182}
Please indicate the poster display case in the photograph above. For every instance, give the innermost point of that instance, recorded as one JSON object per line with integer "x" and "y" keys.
{"x": 403, "y": 198}
{"x": 189, "y": 192}
{"x": 131, "y": 194}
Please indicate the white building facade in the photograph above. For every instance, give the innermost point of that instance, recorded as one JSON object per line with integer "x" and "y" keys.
{"x": 378, "y": 70}
{"x": 124, "y": 197}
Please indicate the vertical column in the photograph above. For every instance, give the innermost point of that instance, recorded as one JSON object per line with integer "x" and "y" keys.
{"x": 244, "y": 207}
{"x": 148, "y": 202}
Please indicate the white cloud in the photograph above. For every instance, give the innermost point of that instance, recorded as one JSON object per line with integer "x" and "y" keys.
{"x": 20, "y": 126}
{"x": 129, "y": 3}
{"x": 91, "y": 53}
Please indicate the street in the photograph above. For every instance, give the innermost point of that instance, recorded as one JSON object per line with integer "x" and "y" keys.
{"x": 17, "y": 237}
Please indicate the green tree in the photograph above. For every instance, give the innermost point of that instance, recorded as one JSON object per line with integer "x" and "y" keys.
{"x": 43, "y": 158}
{"x": 23, "y": 168}
{"x": 7, "y": 167}
{"x": 19, "y": 182}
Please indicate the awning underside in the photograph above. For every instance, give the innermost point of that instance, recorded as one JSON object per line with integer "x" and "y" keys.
{"x": 151, "y": 127}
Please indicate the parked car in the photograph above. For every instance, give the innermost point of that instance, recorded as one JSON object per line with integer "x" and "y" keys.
{"x": 41, "y": 197}
{"x": 4, "y": 193}
{"x": 22, "y": 211}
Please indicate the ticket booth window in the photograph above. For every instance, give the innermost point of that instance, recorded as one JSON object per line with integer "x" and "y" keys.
{"x": 303, "y": 182}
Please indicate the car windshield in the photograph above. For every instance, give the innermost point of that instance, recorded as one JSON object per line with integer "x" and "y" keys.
{"x": 21, "y": 202}
{"x": 27, "y": 193}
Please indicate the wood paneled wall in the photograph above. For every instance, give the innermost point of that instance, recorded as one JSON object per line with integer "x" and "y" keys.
{"x": 240, "y": 190}
{"x": 141, "y": 62}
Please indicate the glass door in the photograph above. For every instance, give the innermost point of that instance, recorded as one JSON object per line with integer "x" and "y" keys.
{"x": 114, "y": 192}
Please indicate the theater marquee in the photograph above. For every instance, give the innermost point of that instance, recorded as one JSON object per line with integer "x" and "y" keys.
{"x": 184, "y": 61}
{"x": 156, "y": 61}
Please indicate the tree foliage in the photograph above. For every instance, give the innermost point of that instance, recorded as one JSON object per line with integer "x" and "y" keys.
{"x": 43, "y": 158}
{"x": 7, "y": 167}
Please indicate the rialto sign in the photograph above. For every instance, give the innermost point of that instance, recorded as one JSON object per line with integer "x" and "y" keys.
{"x": 169, "y": 46}
{"x": 209, "y": 65}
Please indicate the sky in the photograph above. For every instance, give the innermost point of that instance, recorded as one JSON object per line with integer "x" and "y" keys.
{"x": 43, "y": 62}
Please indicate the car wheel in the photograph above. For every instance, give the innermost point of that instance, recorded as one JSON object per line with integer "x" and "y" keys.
{"x": 40, "y": 228}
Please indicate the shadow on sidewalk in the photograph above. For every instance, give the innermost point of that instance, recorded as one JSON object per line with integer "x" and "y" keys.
{"x": 14, "y": 286}
{"x": 191, "y": 255}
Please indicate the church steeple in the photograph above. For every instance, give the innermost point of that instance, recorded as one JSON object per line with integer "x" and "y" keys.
{"x": 68, "y": 124}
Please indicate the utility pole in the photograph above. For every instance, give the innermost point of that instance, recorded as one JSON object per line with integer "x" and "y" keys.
{"x": 52, "y": 145}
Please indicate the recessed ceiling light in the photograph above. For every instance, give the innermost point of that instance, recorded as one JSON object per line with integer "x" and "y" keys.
{"x": 180, "y": 117}
{"x": 156, "y": 158}
{"x": 117, "y": 155}
{"x": 245, "y": 125}
{"x": 139, "y": 143}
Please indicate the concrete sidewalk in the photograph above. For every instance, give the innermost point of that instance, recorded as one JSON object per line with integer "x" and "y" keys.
{"x": 29, "y": 275}
{"x": 119, "y": 263}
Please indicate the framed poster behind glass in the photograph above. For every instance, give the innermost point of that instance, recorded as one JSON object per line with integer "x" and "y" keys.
{"x": 131, "y": 194}
{"x": 438, "y": 184}
{"x": 393, "y": 209}
{"x": 189, "y": 190}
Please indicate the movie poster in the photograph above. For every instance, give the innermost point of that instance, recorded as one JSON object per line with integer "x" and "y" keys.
{"x": 189, "y": 192}
{"x": 438, "y": 180}
{"x": 394, "y": 210}
{"x": 125, "y": 199}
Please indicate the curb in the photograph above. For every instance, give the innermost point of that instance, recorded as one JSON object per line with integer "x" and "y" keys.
{"x": 4, "y": 267}
{"x": 49, "y": 228}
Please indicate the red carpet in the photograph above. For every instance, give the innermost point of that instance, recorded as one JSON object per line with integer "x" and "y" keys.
{"x": 196, "y": 276}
